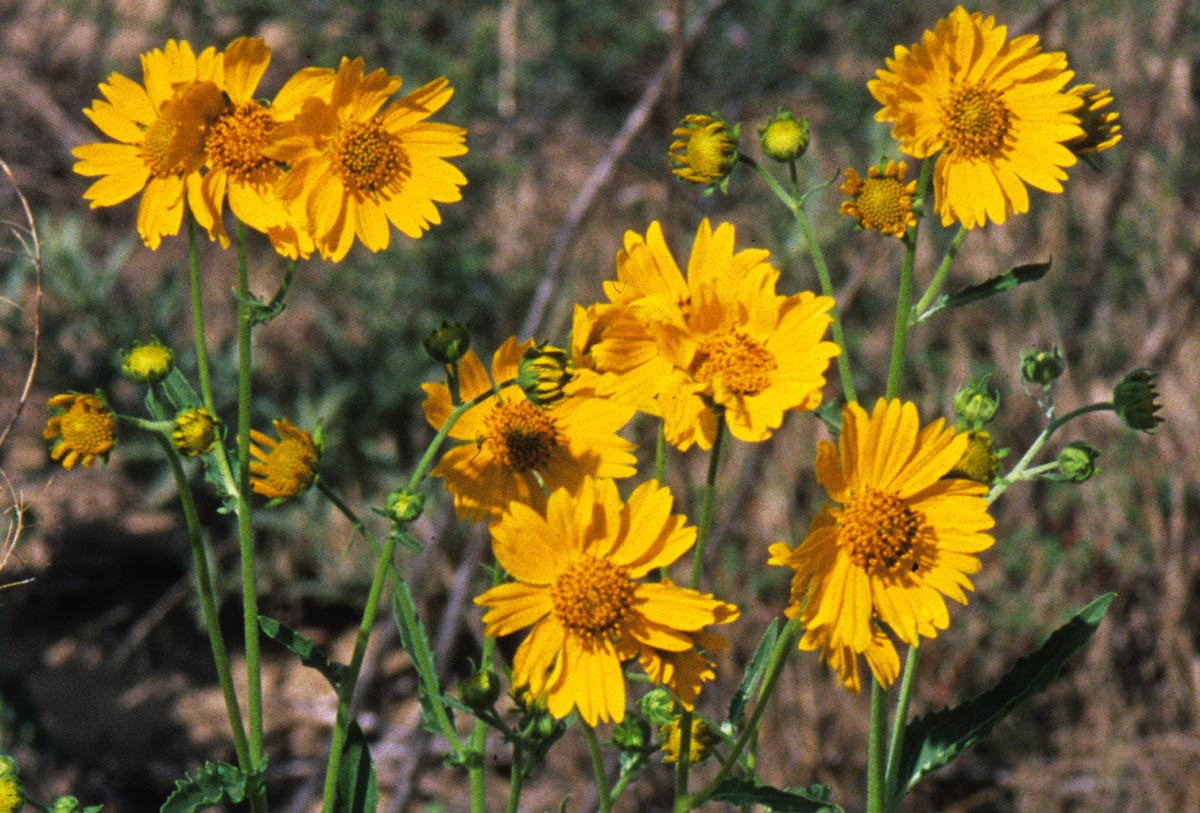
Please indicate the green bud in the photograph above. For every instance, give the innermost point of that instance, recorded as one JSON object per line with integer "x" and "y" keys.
{"x": 632, "y": 734}
{"x": 448, "y": 344}
{"x": 404, "y": 506}
{"x": 148, "y": 362}
{"x": 543, "y": 373}
{"x": 1042, "y": 366}
{"x": 658, "y": 706}
{"x": 481, "y": 690}
{"x": 975, "y": 404}
{"x": 65, "y": 804}
{"x": 1136, "y": 400}
{"x": 784, "y": 138}
{"x": 1077, "y": 462}
{"x": 544, "y": 727}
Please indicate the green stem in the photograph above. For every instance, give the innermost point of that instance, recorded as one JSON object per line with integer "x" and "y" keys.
{"x": 707, "y": 503}
{"x": 198, "y": 337}
{"x": 900, "y": 331}
{"x": 516, "y": 778}
{"x": 589, "y": 735}
{"x": 660, "y": 453}
{"x": 477, "y": 745}
{"x": 1055, "y": 424}
{"x": 875, "y": 749}
{"x": 797, "y": 210}
{"x": 900, "y": 724}
{"x": 939, "y": 277}
{"x": 683, "y": 802}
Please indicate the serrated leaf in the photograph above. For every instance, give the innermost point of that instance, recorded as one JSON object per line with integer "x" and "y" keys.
{"x": 415, "y": 641}
{"x": 933, "y": 740}
{"x": 745, "y": 792}
{"x": 754, "y": 672}
{"x": 309, "y": 653}
{"x": 216, "y": 783}
{"x": 988, "y": 288}
{"x": 357, "y": 788}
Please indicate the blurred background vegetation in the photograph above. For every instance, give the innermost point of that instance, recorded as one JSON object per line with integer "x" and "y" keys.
{"x": 106, "y": 687}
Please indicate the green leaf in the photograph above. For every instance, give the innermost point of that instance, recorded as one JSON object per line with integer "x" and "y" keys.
{"x": 933, "y": 740}
{"x": 754, "y": 672}
{"x": 813, "y": 799}
{"x": 216, "y": 783}
{"x": 309, "y": 653}
{"x": 357, "y": 790}
{"x": 415, "y": 642}
{"x": 989, "y": 288}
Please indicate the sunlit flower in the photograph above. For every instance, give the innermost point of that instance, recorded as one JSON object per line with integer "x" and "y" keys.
{"x": 283, "y": 468}
{"x": 160, "y": 129}
{"x": 719, "y": 340}
{"x": 704, "y": 149}
{"x": 882, "y": 200}
{"x": 1101, "y": 129}
{"x": 994, "y": 108}
{"x": 81, "y": 428}
{"x": 356, "y": 165}
{"x": 513, "y": 447}
{"x": 784, "y": 138}
{"x": 195, "y": 432}
{"x": 148, "y": 362}
{"x": 576, "y": 569}
{"x": 897, "y": 538}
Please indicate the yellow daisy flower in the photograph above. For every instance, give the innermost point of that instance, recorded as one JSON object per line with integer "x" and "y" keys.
{"x": 81, "y": 428}
{"x": 513, "y": 447}
{"x": 720, "y": 340}
{"x": 897, "y": 539}
{"x": 882, "y": 200}
{"x": 195, "y": 432}
{"x": 704, "y": 150}
{"x": 283, "y": 468}
{"x": 994, "y": 108}
{"x": 1101, "y": 128}
{"x": 355, "y": 167}
{"x": 160, "y": 130}
{"x": 576, "y": 569}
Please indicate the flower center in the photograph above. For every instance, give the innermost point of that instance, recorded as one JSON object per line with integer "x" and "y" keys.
{"x": 369, "y": 158}
{"x": 743, "y": 365}
{"x": 87, "y": 427}
{"x": 235, "y": 143}
{"x": 592, "y": 596}
{"x": 976, "y": 122}
{"x": 884, "y": 204}
{"x": 880, "y": 531}
{"x": 523, "y": 435}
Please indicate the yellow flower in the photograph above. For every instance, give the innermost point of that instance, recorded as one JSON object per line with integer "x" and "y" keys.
{"x": 284, "y": 468}
{"x": 355, "y": 167}
{"x": 576, "y": 569}
{"x": 704, "y": 149}
{"x": 897, "y": 538}
{"x": 195, "y": 432}
{"x": 979, "y": 462}
{"x": 149, "y": 362}
{"x": 720, "y": 340}
{"x": 160, "y": 130}
{"x": 883, "y": 200}
{"x": 234, "y": 147}
{"x": 513, "y": 447}
{"x": 994, "y": 109}
{"x": 1100, "y": 126}
{"x": 12, "y": 791}
{"x": 81, "y": 428}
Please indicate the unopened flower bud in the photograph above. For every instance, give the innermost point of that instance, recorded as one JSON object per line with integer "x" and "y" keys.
{"x": 975, "y": 404}
{"x": 195, "y": 432}
{"x": 448, "y": 344}
{"x": 632, "y": 734}
{"x": 784, "y": 138}
{"x": 404, "y": 506}
{"x": 149, "y": 362}
{"x": 65, "y": 804}
{"x": 481, "y": 690}
{"x": 543, "y": 373}
{"x": 1136, "y": 400}
{"x": 704, "y": 150}
{"x": 658, "y": 707}
{"x": 1042, "y": 366}
{"x": 1077, "y": 462}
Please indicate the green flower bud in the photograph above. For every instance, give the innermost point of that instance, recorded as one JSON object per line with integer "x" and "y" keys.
{"x": 481, "y": 690}
{"x": 149, "y": 362}
{"x": 632, "y": 734}
{"x": 1136, "y": 400}
{"x": 12, "y": 792}
{"x": 65, "y": 804}
{"x": 975, "y": 404}
{"x": 543, "y": 373}
{"x": 784, "y": 138}
{"x": 1042, "y": 366}
{"x": 658, "y": 706}
{"x": 1077, "y": 462}
{"x": 404, "y": 506}
{"x": 448, "y": 344}
{"x": 545, "y": 727}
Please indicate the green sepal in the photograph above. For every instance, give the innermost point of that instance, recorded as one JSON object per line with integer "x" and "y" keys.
{"x": 813, "y": 799}
{"x": 989, "y": 288}
{"x": 933, "y": 740}
{"x": 754, "y": 672}
{"x": 357, "y": 788}
{"x": 415, "y": 642}
{"x": 309, "y": 653}
{"x": 215, "y": 784}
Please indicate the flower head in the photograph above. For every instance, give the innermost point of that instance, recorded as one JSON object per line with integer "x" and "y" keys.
{"x": 283, "y": 468}
{"x": 576, "y": 571}
{"x": 148, "y": 362}
{"x": 81, "y": 428}
{"x": 994, "y": 108}
{"x": 785, "y": 137}
{"x": 1135, "y": 399}
{"x": 195, "y": 432}
{"x": 513, "y": 446}
{"x": 719, "y": 340}
{"x": 979, "y": 462}
{"x": 882, "y": 200}
{"x": 357, "y": 166}
{"x": 704, "y": 150}
{"x": 159, "y": 128}
{"x": 544, "y": 373}
{"x": 12, "y": 791}
{"x": 1100, "y": 125}
{"x": 895, "y": 540}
